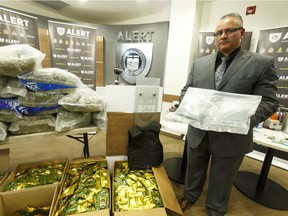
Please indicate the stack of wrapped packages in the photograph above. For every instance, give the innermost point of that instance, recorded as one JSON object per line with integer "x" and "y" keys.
{"x": 32, "y": 186}
{"x": 37, "y": 175}
{"x": 35, "y": 99}
{"x": 86, "y": 188}
{"x": 135, "y": 189}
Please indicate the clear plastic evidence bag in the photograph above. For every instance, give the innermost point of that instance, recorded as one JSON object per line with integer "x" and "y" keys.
{"x": 217, "y": 111}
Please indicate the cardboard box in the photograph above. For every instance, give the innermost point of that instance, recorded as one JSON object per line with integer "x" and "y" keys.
{"x": 34, "y": 197}
{"x": 25, "y": 166}
{"x": 102, "y": 212}
{"x": 4, "y": 164}
{"x": 166, "y": 191}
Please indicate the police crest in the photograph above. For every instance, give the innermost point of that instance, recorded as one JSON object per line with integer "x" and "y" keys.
{"x": 135, "y": 59}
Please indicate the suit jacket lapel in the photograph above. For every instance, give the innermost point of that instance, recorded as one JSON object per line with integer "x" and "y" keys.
{"x": 210, "y": 70}
{"x": 237, "y": 62}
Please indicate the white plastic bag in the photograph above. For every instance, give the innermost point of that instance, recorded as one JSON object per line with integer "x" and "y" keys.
{"x": 218, "y": 111}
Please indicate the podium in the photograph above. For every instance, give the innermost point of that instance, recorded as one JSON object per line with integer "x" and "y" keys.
{"x": 128, "y": 106}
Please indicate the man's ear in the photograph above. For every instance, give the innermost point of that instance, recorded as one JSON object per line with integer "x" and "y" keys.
{"x": 242, "y": 32}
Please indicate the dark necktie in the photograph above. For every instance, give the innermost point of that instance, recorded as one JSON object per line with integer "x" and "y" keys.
{"x": 220, "y": 71}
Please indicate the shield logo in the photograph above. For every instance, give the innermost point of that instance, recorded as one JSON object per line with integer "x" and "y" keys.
{"x": 135, "y": 59}
{"x": 133, "y": 62}
{"x": 209, "y": 39}
{"x": 274, "y": 37}
{"x": 61, "y": 31}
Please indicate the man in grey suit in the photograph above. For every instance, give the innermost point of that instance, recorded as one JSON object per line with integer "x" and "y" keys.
{"x": 245, "y": 73}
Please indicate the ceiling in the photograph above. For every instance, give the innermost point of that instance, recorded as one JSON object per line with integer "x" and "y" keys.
{"x": 109, "y": 11}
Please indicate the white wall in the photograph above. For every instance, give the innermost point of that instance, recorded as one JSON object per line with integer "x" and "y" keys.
{"x": 184, "y": 21}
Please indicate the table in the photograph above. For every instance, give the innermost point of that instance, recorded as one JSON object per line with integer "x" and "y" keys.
{"x": 258, "y": 186}
{"x": 175, "y": 166}
{"x": 80, "y": 134}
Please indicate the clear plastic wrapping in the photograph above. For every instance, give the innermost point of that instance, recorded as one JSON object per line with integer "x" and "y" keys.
{"x": 19, "y": 59}
{"x": 9, "y": 116}
{"x": 33, "y": 124}
{"x": 51, "y": 80}
{"x": 66, "y": 121}
{"x": 11, "y": 87}
{"x": 82, "y": 100}
{"x": 3, "y": 130}
{"x": 100, "y": 120}
{"x": 39, "y": 103}
{"x": 217, "y": 111}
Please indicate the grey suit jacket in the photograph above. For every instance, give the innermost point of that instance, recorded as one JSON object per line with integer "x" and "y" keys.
{"x": 248, "y": 73}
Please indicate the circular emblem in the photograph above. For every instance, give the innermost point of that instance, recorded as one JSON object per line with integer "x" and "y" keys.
{"x": 133, "y": 62}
